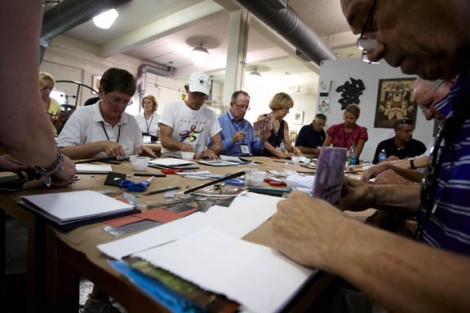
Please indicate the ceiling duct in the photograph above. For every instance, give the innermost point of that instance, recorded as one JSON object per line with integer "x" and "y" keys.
{"x": 157, "y": 69}
{"x": 70, "y": 13}
{"x": 291, "y": 27}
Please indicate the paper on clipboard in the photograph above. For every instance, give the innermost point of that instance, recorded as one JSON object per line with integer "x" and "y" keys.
{"x": 329, "y": 174}
{"x": 264, "y": 125}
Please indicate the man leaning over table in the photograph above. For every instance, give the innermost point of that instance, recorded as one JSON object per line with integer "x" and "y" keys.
{"x": 399, "y": 274}
{"x": 237, "y": 133}
{"x": 188, "y": 125}
{"x": 312, "y": 136}
{"x": 104, "y": 129}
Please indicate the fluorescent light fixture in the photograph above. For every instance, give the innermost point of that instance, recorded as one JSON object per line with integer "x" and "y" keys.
{"x": 105, "y": 19}
{"x": 200, "y": 56}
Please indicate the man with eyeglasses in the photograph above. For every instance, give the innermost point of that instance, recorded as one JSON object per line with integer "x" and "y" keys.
{"x": 188, "y": 125}
{"x": 104, "y": 129}
{"x": 237, "y": 134}
{"x": 402, "y": 145}
{"x": 312, "y": 136}
{"x": 431, "y": 40}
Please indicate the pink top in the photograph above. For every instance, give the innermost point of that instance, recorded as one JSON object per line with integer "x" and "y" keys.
{"x": 343, "y": 140}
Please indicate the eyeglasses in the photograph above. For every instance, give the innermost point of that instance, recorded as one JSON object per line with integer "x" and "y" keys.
{"x": 367, "y": 44}
{"x": 242, "y": 107}
{"x": 117, "y": 100}
{"x": 425, "y": 106}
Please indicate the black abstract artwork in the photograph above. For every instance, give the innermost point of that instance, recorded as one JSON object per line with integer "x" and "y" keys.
{"x": 350, "y": 92}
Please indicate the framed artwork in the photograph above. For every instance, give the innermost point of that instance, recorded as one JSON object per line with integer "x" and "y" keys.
{"x": 323, "y": 105}
{"x": 298, "y": 117}
{"x": 95, "y": 83}
{"x": 394, "y": 101}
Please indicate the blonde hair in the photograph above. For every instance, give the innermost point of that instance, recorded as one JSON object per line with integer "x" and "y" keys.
{"x": 353, "y": 109}
{"x": 44, "y": 79}
{"x": 154, "y": 102}
{"x": 280, "y": 101}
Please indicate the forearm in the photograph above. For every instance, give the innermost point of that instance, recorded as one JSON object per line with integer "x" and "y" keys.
{"x": 84, "y": 151}
{"x": 307, "y": 150}
{"x": 417, "y": 279}
{"x": 395, "y": 196}
{"x": 408, "y": 174}
{"x": 27, "y": 131}
{"x": 269, "y": 147}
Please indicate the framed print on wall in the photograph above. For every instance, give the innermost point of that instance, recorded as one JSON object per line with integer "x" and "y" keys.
{"x": 394, "y": 101}
{"x": 298, "y": 117}
{"x": 95, "y": 83}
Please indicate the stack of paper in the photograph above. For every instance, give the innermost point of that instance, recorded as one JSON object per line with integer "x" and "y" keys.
{"x": 66, "y": 208}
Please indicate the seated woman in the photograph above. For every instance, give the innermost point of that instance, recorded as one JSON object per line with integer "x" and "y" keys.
{"x": 148, "y": 119}
{"x": 280, "y": 105}
{"x": 348, "y": 133}
{"x": 53, "y": 108}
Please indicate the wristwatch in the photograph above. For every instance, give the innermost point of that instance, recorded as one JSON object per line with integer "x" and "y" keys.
{"x": 412, "y": 164}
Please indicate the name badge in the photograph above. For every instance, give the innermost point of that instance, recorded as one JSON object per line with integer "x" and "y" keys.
{"x": 146, "y": 139}
{"x": 245, "y": 149}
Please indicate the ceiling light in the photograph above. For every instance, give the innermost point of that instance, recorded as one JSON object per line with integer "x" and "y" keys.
{"x": 200, "y": 56}
{"x": 105, "y": 19}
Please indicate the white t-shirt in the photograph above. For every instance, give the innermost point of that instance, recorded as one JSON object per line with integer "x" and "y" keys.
{"x": 190, "y": 126}
{"x": 149, "y": 126}
{"x": 86, "y": 125}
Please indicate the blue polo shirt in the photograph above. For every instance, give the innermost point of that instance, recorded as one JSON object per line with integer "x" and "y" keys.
{"x": 229, "y": 127}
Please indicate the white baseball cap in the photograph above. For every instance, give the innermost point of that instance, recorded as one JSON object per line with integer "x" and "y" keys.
{"x": 200, "y": 82}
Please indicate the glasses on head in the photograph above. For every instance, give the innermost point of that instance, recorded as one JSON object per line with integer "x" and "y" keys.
{"x": 242, "y": 107}
{"x": 403, "y": 121}
{"x": 367, "y": 44}
{"x": 117, "y": 100}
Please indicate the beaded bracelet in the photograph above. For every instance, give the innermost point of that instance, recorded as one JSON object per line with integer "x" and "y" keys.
{"x": 56, "y": 169}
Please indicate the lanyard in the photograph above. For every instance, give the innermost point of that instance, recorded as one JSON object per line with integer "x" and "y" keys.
{"x": 106, "y": 133}
{"x": 239, "y": 130}
{"x": 148, "y": 123}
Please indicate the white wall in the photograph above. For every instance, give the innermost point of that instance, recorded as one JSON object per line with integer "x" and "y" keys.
{"x": 340, "y": 71}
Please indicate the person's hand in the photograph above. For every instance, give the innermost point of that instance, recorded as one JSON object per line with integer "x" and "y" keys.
{"x": 374, "y": 170}
{"x": 305, "y": 229}
{"x": 356, "y": 195}
{"x": 208, "y": 154}
{"x": 144, "y": 150}
{"x": 186, "y": 147}
{"x": 66, "y": 176}
{"x": 390, "y": 177}
{"x": 297, "y": 152}
{"x": 111, "y": 148}
{"x": 12, "y": 164}
{"x": 265, "y": 135}
{"x": 238, "y": 136}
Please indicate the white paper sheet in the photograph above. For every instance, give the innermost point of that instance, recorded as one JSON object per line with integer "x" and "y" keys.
{"x": 244, "y": 214}
{"x": 170, "y": 162}
{"x": 254, "y": 275}
{"x": 83, "y": 168}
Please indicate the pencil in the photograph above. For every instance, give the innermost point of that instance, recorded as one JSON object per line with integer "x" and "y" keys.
{"x": 215, "y": 181}
{"x": 154, "y": 192}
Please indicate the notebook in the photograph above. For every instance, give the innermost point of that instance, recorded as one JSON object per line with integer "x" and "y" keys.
{"x": 76, "y": 208}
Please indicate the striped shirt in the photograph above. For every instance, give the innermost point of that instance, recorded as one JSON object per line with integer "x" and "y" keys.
{"x": 446, "y": 218}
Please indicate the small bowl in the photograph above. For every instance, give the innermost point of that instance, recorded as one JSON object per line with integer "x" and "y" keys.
{"x": 186, "y": 155}
{"x": 140, "y": 163}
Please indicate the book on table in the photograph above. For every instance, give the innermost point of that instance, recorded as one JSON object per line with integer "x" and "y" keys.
{"x": 68, "y": 210}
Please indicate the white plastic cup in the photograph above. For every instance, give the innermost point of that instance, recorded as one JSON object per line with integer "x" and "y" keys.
{"x": 254, "y": 178}
{"x": 140, "y": 163}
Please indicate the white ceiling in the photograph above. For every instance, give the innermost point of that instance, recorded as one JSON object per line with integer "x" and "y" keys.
{"x": 165, "y": 31}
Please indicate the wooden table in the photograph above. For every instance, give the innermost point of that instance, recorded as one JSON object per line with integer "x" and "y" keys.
{"x": 57, "y": 260}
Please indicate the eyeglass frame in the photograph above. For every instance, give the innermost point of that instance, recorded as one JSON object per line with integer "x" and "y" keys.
{"x": 119, "y": 101}
{"x": 242, "y": 107}
{"x": 364, "y": 43}
{"x": 426, "y": 108}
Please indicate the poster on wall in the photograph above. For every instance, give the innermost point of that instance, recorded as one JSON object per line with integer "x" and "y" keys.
{"x": 323, "y": 105}
{"x": 394, "y": 102}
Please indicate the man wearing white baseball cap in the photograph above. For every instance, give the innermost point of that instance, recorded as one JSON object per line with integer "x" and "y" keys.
{"x": 187, "y": 125}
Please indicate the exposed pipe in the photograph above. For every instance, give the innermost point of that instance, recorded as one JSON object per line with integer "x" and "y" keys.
{"x": 290, "y": 26}
{"x": 70, "y": 13}
{"x": 157, "y": 69}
